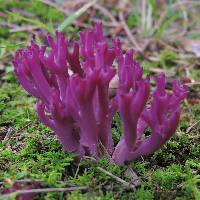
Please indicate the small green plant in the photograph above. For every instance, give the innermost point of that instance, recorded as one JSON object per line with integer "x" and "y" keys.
{"x": 171, "y": 16}
{"x": 133, "y": 20}
{"x": 167, "y": 58}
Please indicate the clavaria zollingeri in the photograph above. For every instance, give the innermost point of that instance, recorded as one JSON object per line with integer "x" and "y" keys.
{"x": 71, "y": 85}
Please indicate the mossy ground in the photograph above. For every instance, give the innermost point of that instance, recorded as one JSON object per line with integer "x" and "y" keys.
{"x": 29, "y": 150}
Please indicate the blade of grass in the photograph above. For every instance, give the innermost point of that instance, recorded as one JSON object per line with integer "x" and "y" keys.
{"x": 12, "y": 45}
{"x": 74, "y": 16}
{"x": 32, "y": 21}
{"x": 149, "y": 19}
{"x": 166, "y": 23}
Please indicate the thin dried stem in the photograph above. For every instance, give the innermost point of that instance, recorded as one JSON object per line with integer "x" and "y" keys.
{"x": 118, "y": 179}
{"x": 44, "y": 190}
{"x": 192, "y": 126}
{"x": 128, "y": 32}
{"x": 106, "y": 13}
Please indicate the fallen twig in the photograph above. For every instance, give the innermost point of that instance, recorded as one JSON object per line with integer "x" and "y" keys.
{"x": 8, "y": 134}
{"x": 36, "y": 181}
{"x": 128, "y": 32}
{"x": 192, "y": 126}
{"x": 4, "y": 23}
{"x": 24, "y": 28}
{"x": 185, "y": 2}
{"x": 193, "y": 83}
{"x": 106, "y": 13}
{"x": 118, "y": 179}
{"x": 44, "y": 190}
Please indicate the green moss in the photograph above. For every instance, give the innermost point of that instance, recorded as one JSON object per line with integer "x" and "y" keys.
{"x": 16, "y": 108}
{"x": 85, "y": 179}
{"x": 180, "y": 179}
{"x": 196, "y": 111}
{"x": 167, "y": 58}
{"x": 168, "y": 179}
{"x": 143, "y": 193}
{"x": 90, "y": 196}
{"x": 36, "y": 160}
{"x": 117, "y": 128}
{"x": 140, "y": 167}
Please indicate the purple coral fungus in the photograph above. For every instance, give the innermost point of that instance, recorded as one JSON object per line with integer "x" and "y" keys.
{"x": 72, "y": 91}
